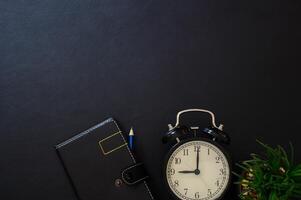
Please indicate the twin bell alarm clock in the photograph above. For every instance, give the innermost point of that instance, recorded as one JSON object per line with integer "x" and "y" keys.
{"x": 197, "y": 166}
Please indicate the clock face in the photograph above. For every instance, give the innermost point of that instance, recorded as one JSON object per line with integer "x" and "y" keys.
{"x": 198, "y": 170}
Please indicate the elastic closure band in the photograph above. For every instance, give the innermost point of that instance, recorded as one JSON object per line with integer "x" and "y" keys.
{"x": 134, "y": 174}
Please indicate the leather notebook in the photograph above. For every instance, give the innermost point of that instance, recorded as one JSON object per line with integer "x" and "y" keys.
{"x": 101, "y": 166}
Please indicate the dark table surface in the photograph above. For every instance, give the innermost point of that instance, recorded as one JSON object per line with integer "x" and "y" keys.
{"x": 67, "y": 65}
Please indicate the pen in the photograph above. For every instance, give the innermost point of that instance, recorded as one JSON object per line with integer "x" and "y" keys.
{"x": 131, "y": 139}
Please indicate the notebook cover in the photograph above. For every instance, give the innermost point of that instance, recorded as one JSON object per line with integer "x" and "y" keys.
{"x": 94, "y": 160}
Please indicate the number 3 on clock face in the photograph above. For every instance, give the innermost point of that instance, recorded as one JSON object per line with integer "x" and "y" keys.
{"x": 197, "y": 170}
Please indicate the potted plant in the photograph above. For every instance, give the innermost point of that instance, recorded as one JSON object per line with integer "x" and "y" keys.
{"x": 271, "y": 176}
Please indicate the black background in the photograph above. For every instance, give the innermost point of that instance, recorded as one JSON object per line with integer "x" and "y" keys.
{"x": 67, "y": 65}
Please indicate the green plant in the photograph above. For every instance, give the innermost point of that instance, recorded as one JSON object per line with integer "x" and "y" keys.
{"x": 272, "y": 176}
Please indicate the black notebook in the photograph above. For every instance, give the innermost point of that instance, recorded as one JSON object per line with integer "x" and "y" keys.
{"x": 101, "y": 166}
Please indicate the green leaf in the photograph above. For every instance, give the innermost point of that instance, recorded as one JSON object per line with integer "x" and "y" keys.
{"x": 273, "y": 196}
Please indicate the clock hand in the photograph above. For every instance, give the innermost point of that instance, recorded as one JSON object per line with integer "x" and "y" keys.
{"x": 187, "y": 172}
{"x": 198, "y": 159}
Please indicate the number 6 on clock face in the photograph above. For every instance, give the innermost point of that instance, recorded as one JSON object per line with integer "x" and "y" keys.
{"x": 197, "y": 170}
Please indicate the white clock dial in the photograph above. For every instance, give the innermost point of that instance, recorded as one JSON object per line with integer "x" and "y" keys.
{"x": 198, "y": 170}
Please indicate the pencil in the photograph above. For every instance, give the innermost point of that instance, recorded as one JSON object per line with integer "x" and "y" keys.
{"x": 131, "y": 139}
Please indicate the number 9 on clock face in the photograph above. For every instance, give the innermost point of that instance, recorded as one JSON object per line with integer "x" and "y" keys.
{"x": 197, "y": 170}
